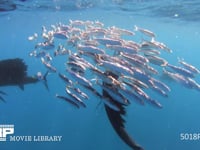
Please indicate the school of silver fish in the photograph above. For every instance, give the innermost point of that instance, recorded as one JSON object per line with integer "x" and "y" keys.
{"x": 100, "y": 58}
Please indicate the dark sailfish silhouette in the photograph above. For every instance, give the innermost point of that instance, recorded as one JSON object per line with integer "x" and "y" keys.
{"x": 117, "y": 121}
{"x": 13, "y": 72}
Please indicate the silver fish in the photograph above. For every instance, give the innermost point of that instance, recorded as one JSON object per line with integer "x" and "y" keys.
{"x": 37, "y": 54}
{"x": 76, "y": 58}
{"x": 133, "y": 81}
{"x": 90, "y": 49}
{"x": 149, "y": 51}
{"x": 145, "y": 31}
{"x": 94, "y": 91}
{"x": 131, "y": 44}
{"x": 116, "y": 67}
{"x": 64, "y": 78}
{"x": 75, "y": 97}
{"x": 76, "y": 22}
{"x": 138, "y": 91}
{"x": 97, "y": 32}
{"x": 133, "y": 60}
{"x": 33, "y": 37}
{"x": 158, "y": 90}
{"x": 150, "y": 69}
{"x": 141, "y": 75}
{"x": 178, "y": 78}
{"x": 98, "y": 23}
{"x": 64, "y": 27}
{"x": 154, "y": 103}
{"x": 182, "y": 71}
{"x": 124, "y": 49}
{"x": 108, "y": 41}
{"x": 78, "y": 66}
{"x": 82, "y": 94}
{"x": 90, "y": 42}
{"x": 48, "y": 65}
{"x": 68, "y": 100}
{"x": 45, "y": 45}
{"x": 80, "y": 79}
{"x": 115, "y": 94}
{"x": 160, "y": 84}
{"x": 121, "y": 31}
{"x": 189, "y": 67}
{"x": 194, "y": 84}
{"x": 131, "y": 96}
{"x": 161, "y": 45}
{"x": 61, "y": 35}
{"x": 156, "y": 60}
{"x": 76, "y": 90}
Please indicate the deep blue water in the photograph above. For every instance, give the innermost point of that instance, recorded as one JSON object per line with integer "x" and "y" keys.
{"x": 35, "y": 111}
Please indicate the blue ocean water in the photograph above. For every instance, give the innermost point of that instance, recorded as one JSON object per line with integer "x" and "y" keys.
{"x": 36, "y": 111}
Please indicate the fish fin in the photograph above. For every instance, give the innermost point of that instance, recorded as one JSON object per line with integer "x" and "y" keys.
{"x": 135, "y": 28}
{"x": 180, "y": 59}
{"x": 116, "y": 53}
{"x": 164, "y": 64}
{"x": 98, "y": 105}
{"x": 45, "y": 80}
{"x": 45, "y": 75}
{"x": 99, "y": 64}
{"x": 21, "y": 86}
{"x": 96, "y": 80}
{"x": 117, "y": 122}
{"x": 2, "y": 99}
{"x": 3, "y": 93}
{"x": 46, "y": 86}
{"x": 70, "y": 21}
{"x": 153, "y": 39}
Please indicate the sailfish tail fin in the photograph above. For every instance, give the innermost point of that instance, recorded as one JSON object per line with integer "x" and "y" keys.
{"x": 40, "y": 77}
{"x": 45, "y": 75}
{"x": 45, "y": 80}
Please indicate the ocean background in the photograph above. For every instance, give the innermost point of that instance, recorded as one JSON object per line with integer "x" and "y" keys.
{"x": 36, "y": 111}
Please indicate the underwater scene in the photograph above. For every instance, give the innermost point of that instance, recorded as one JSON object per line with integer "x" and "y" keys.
{"x": 102, "y": 75}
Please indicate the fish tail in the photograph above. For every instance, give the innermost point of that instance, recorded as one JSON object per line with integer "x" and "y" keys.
{"x": 45, "y": 80}
{"x": 180, "y": 59}
{"x": 136, "y": 28}
{"x": 45, "y": 75}
{"x": 2, "y": 99}
{"x": 56, "y": 95}
{"x": 1, "y": 92}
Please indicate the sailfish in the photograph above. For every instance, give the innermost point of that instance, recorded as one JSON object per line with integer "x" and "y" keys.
{"x": 13, "y": 72}
{"x": 117, "y": 121}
